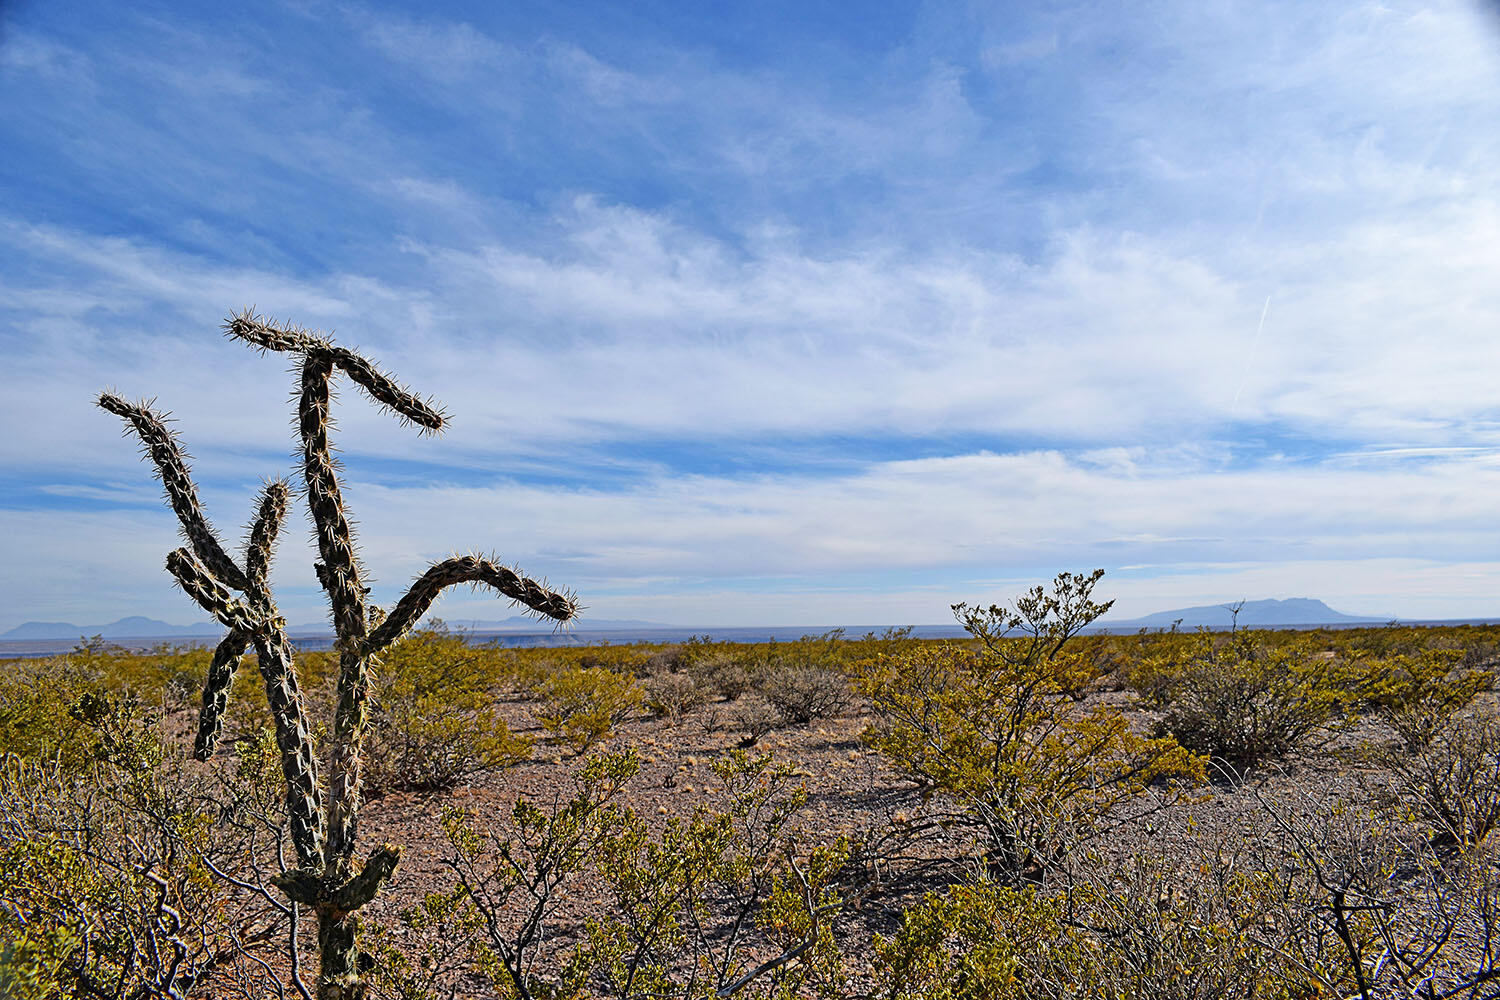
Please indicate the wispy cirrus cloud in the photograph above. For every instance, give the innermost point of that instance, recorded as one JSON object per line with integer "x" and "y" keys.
{"x": 880, "y": 313}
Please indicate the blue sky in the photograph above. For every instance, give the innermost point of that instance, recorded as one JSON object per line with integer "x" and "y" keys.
{"x": 771, "y": 313}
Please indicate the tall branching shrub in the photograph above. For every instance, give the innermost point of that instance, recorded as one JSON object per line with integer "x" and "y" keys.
{"x": 996, "y": 730}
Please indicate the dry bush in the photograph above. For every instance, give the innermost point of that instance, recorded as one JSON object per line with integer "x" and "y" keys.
{"x": 755, "y": 717}
{"x": 690, "y": 905}
{"x": 803, "y": 692}
{"x": 723, "y": 673}
{"x": 672, "y": 695}
{"x": 1452, "y": 781}
{"x": 1368, "y": 910}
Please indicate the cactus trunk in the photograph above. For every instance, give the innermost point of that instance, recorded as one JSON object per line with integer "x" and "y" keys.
{"x": 338, "y": 949}
{"x": 299, "y": 764}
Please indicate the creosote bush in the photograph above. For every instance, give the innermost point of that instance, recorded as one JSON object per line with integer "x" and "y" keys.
{"x": 1242, "y": 699}
{"x": 110, "y": 867}
{"x": 1452, "y": 780}
{"x": 690, "y": 904}
{"x": 581, "y": 706}
{"x": 434, "y": 720}
{"x": 997, "y": 732}
{"x": 1418, "y": 693}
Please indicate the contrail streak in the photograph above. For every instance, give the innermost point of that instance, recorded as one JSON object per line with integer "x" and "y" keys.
{"x": 1254, "y": 342}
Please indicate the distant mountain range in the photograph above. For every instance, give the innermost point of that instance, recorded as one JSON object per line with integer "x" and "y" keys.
{"x": 1292, "y": 611}
{"x": 134, "y": 627}
{"x": 137, "y": 627}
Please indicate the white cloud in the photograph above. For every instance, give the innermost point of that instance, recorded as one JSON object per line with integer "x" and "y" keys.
{"x": 1015, "y": 240}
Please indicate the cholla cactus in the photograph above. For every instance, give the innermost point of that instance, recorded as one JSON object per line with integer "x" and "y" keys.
{"x": 326, "y": 877}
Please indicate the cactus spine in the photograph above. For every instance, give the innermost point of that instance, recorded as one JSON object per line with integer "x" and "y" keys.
{"x": 326, "y": 878}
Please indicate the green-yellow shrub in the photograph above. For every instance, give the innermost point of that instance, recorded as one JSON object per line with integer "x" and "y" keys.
{"x": 972, "y": 941}
{"x": 997, "y": 731}
{"x": 1244, "y": 697}
{"x": 580, "y": 706}
{"x": 435, "y": 719}
{"x": 1419, "y": 693}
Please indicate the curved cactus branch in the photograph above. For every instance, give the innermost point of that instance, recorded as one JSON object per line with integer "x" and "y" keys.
{"x": 208, "y": 593}
{"x": 270, "y": 512}
{"x": 335, "y": 536}
{"x": 468, "y": 569}
{"x": 407, "y": 404}
{"x": 216, "y": 691}
{"x": 253, "y": 330}
{"x": 171, "y": 466}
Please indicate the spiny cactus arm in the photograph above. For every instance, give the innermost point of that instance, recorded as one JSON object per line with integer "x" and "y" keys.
{"x": 340, "y": 574}
{"x": 208, "y": 593}
{"x": 216, "y": 691}
{"x": 408, "y": 611}
{"x": 382, "y": 388}
{"x": 257, "y": 332}
{"x": 299, "y": 764}
{"x": 268, "y": 517}
{"x": 269, "y": 514}
{"x": 171, "y": 465}
{"x": 360, "y": 889}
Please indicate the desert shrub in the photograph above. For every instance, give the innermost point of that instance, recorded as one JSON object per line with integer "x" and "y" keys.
{"x": 688, "y": 898}
{"x": 434, "y": 719}
{"x": 108, "y": 870}
{"x": 688, "y": 903}
{"x": 1452, "y": 782}
{"x": 801, "y": 693}
{"x": 633, "y": 661}
{"x": 977, "y": 940}
{"x": 725, "y": 672}
{"x": 672, "y": 695}
{"x": 35, "y": 722}
{"x": 1242, "y": 698}
{"x": 580, "y": 706}
{"x": 1419, "y": 693}
{"x": 806, "y": 679}
{"x": 753, "y": 716}
{"x": 997, "y": 733}
{"x": 1205, "y": 925}
{"x": 1359, "y": 907}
